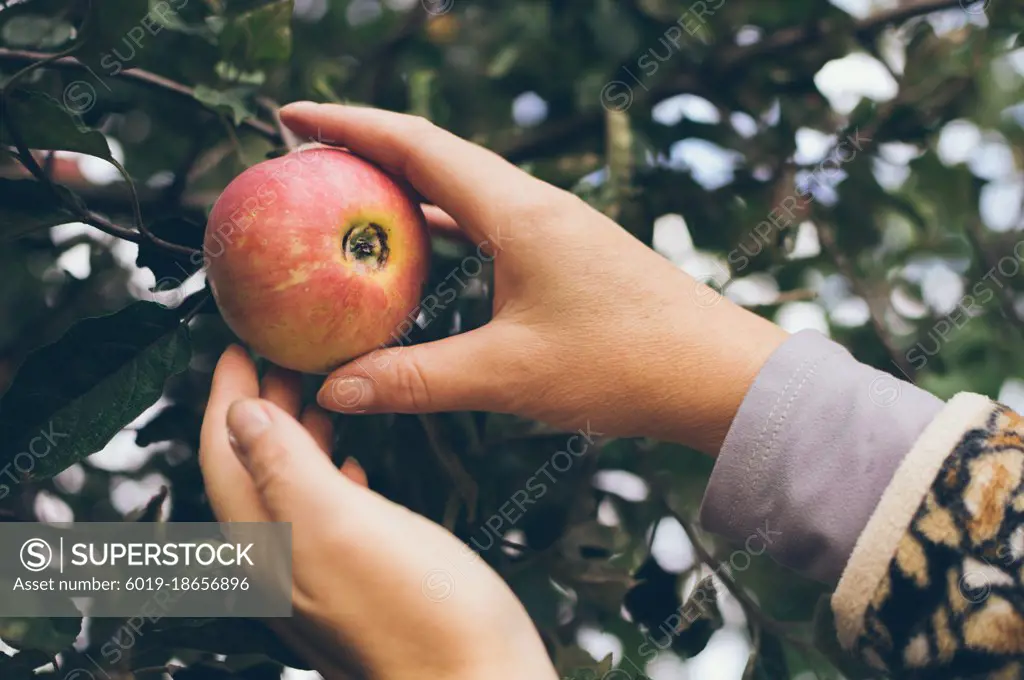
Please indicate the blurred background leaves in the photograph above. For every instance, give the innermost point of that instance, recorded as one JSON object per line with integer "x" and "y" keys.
{"x": 853, "y": 167}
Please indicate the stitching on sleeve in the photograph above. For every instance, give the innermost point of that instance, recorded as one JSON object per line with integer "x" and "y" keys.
{"x": 782, "y": 393}
{"x": 808, "y": 364}
{"x": 789, "y": 404}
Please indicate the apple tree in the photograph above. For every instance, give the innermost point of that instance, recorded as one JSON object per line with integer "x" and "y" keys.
{"x": 889, "y": 131}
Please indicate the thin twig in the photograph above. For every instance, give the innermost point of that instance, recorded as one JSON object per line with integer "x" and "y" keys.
{"x": 192, "y": 313}
{"x": 827, "y": 238}
{"x": 711, "y": 561}
{"x": 49, "y": 162}
{"x": 288, "y": 138}
{"x": 750, "y": 608}
{"x": 87, "y": 216}
{"x": 32, "y": 165}
{"x": 796, "y": 295}
{"x": 465, "y": 485}
{"x": 654, "y": 532}
{"x": 82, "y": 213}
{"x": 169, "y": 669}
{"x": 1007, "y": 304}
{"x": 789, "y": 38}
{"x": 136, "y": 75}
{"x": 876, "y": 306}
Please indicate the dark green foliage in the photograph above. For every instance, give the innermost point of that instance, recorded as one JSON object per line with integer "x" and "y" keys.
{"x": 71, "y": 397}
{"x": 189, "y": 90}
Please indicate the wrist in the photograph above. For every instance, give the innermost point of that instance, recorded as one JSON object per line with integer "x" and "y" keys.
{"x": 721, "y": 348}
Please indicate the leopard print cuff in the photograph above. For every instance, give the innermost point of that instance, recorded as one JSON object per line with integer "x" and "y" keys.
{"x": 935, "y": 585}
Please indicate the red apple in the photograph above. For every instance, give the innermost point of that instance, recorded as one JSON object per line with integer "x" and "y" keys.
{"x": 316, "y": 257}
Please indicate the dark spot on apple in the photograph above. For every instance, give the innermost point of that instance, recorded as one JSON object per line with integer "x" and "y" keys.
{"x": 367, "y": 244}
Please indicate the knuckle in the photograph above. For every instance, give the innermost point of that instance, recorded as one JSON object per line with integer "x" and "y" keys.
{"x": 418, "y": 125}
{"x": 269, "y": 464}
{"x": 411, "y": 381}
{"x": 542, "y": 203}
{"x": 429, "y": 141}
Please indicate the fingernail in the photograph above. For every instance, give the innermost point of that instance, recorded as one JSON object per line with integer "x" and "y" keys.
{"x": 353, "y": 470}
{"x": 295, "y": 107}
{"x": 350, "y": 394}
{"x": 247, "y": 420}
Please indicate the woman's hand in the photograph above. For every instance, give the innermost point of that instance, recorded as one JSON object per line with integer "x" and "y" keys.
{"x": 590, "y": 327}
{"x": 379, "y": 591}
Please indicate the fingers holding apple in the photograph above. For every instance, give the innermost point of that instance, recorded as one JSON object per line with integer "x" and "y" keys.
{"x": 477, "y": 187}
{"x": 372, "y": 559}
{"x": 328, "y": 276}
{"x": 316, "y": 257}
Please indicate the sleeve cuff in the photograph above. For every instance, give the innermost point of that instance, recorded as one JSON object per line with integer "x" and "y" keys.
{"x": 966, "y": 429}
{"x": 812, "y": 448}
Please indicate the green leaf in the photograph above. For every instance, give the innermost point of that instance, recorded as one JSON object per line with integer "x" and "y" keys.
{"x": 115, "y": 33}
{"x": 781, "y": 594}
{"x": 45, "y": 123}
{"x": 532, "y": 585}
{"x": 34, "y": 30}
{"x": 26, "y": 206}
{"x": 42, "y": 634}
{"x": 574, "y": 663}
{"x": 701, "y": 618}
{"x": 768, "y": 661}
{"x": 38, "y": 24}
{"x": 261, "y": 37}
{"x": 71, "y": 397}
{"x": 229, "y": 102}
{"x": 584, "y": 561}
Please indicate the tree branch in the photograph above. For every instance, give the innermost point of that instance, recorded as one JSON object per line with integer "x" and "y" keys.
{"x": 876, "y": 306}
{"x": 865, "y": 29}
{"x": 556, "y": 134}
{"x": 136, "y": 75}
{"x": 1007, "y": 304}
{"x": 786, "y": 296}
{"x": 76, "y": 208}
{"x": 465, "y": 486}
{"x": 33, "y": 167}
{"x": 288, "y": 138}
{"x": 112, "y": 198}
{"x": 755, "y": 617}
{"x": 524, "y": 146}
{"x": 83, "y": 214}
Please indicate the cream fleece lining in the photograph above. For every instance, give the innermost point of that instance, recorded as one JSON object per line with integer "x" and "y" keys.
{"x": 877, "y": 544}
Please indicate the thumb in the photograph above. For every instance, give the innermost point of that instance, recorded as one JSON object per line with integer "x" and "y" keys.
{"x": 455, "y": 374}
{"x": 289, "y": 470}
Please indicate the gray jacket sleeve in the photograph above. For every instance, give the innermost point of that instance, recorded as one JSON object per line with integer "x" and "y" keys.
{"x": 811, "y": 450}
